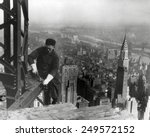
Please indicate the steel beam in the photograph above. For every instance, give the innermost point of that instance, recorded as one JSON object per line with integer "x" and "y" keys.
{"x": 9, "y": 67}
{"x": 24, "y": 4}
{"x": 26, "y": 99}
{"x": 7, "y": 34}
{"x": 6, "y": 8}
{"x": 15, "y": 57}
{"x": 25, "y": 39}
{"x": 13, "y": 54}
{"x": 7, "y": 24}
{"x": 8, "y": 78}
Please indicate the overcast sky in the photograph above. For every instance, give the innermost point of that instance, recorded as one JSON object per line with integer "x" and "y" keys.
{"x": 88, "y": 11}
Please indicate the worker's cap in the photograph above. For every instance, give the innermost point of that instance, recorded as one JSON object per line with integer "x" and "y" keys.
{"x": 50, "y": 42}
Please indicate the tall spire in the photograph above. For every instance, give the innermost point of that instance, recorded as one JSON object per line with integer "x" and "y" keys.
{"x": 124, "y": 48}
{"x": 123, "y": 52}
{"x": 139, "y": 60}
{"x": 124, "y": 41}
{"x": 122, "y": 73}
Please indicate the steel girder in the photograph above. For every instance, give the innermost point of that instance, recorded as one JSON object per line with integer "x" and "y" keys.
{"x": 15, "y": 48}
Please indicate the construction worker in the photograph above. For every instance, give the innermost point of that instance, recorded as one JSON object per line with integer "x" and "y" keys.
{"x": 44, "y": 62}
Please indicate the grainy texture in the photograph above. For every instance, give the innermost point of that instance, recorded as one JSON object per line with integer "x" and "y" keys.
{"x": 66, "y": 112}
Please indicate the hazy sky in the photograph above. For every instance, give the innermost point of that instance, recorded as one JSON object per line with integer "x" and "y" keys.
{"x": 89, "y": 11}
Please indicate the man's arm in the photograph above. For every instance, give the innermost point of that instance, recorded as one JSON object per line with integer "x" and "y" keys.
{"x": 33, "y": 56}
{"x": 31, "y": 59}
{"x": 53, "y": 70}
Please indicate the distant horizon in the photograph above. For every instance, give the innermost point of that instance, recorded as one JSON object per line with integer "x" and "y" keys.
{"x": 82, "y": 13}
{"x": 58, "y": 25}
{"x": 92, "y": 12}
{"x": 135, "y": 33}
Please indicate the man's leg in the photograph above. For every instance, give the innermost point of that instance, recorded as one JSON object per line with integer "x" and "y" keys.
{"x": 46, "y": 97}
{"x": 53, "y": 91}
{"x": 54, "y": 100}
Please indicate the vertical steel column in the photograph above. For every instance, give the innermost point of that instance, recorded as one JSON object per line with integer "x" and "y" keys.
{"x": 10, "y": 90}
{"x": 26, "y": 19}
{"x": 7, "y": 35}
{"x": 17, "y": 46}
{"x": 25, "y": 43}
{"x": 15, "y": 51}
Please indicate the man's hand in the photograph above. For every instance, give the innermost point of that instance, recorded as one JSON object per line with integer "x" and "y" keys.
{"x": 48, "y": 79}
{"x": 45, "y": 82}
{"x": 34, "y": 68}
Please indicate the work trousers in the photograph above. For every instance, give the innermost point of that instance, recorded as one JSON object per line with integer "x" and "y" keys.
{"x": 51, "y": 93}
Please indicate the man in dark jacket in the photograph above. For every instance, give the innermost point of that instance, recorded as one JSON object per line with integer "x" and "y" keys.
{"x": 45, "y": 62}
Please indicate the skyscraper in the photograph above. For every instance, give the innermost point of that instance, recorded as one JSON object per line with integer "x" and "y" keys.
{"x": 122, "y": 73}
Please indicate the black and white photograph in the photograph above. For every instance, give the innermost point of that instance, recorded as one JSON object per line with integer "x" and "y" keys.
{"x": 74, "y": 59}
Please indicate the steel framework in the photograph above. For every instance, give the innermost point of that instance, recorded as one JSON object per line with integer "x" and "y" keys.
{"x": 15, "y": 28}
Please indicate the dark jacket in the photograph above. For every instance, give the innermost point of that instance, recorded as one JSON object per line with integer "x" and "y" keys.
{"x": 47, "y": 62}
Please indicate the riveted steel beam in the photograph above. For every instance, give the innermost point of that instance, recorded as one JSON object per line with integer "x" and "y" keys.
{"x": 7, "y": 24}
{"x": 9, "y": 67}
{"x": 14, "y": 48}
{"x": 7, "y": 9}
{"x": 26, "y": 99}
